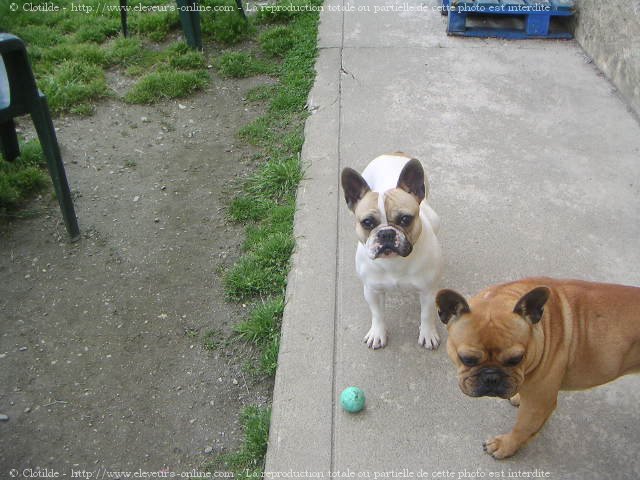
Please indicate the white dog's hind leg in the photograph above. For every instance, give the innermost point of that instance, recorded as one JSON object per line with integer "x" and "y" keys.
{"x": 428, "y": 337}
{"x": 377, "y": 335}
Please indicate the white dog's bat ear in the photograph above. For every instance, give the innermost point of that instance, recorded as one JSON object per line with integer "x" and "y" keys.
{"x": 451, "y": 305}
{"x": 355, "y": 187}
{"x": 531, "y": 305}
{"x": 412, "y": 181}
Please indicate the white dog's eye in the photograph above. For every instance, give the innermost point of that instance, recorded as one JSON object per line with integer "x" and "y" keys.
{"x": 405, "y": 220}
{"x": 368, "y": 223}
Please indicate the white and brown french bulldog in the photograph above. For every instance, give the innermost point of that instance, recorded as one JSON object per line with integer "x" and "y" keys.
{"x": 398, "y": 247}
{"x": 528, "y": 339}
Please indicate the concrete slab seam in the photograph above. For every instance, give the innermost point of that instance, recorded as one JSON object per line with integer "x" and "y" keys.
{"x": 338, "y": 250}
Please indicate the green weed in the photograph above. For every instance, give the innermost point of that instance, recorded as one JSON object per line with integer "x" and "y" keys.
{"x": 226, "y": 27}
{"x": 249, "y": 209}
{"x": 263, "y": 323}
{"x": 259, "y": 132}
{"x": 263, "y": 329}
{"x": 287, "y": 10}
{"x": 97, "y": 30}
{"x": 154, "y": 25}
{"x": 278, "y": 220}
{"x": 276, "y": 179}
{"x": 261, "y": 92}
{"x": 248, "y": 462}
{"x": 40, "y": 35}
{"x": 268, "y": 206}
{"x": 82, "y": 52}
{"x": 70, "y": 50}
{"x": 269, "y": 358}
{"x": 212, "y": 339}
{"x": 268, "y": 201}
{"x": 277, "y": 41}
{"x": 191, "y": 60}
{"x": 127, "y": 51}
{"x": 191, "y": 332}
{"x": 263, "y": 270}
{"x": 241, "y": 65}
{"x": 22, "y": 178}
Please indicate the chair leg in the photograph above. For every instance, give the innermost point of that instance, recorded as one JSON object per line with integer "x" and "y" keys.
{"x": 239, "y": 5}
{"x": 47, "y": 135}
{"x": 190, "y": 20}
{"x": 197, "y": 32}
{"x": 9, "y": 140}
{"x": 123, "y": 18}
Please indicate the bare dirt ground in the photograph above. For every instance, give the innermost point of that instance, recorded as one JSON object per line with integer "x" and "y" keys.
{"x": 102, "y": 363}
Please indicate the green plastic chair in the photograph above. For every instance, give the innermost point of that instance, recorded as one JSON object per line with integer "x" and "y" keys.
{"x": 189, "y": 19}
{"x": 19, "y": 95}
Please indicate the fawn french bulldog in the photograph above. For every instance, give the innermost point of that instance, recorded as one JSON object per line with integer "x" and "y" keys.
{"x": 528, "y": 339}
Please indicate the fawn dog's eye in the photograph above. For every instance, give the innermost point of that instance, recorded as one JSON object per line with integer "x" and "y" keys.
{"x": 513, "y": 361}
{"x": 469, "y": 361}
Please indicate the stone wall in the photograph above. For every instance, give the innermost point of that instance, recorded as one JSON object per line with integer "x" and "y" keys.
{"x": 609, "y": 31}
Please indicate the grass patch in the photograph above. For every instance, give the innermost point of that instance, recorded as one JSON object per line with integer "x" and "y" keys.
{"x": 278, "y": 133}
{"x": 262, "y": 271}
{"x": 166, "y": 84}
{"x": 227, "y": 27}
{"x": 276, "y": 179}
{"x": 297, "y": 69}
{"x": 82, "y": 52}
{"x": 179, "y": 71}
{"x": 287, "y": 10}
{"x": 154, "y": 25}
{"x": 279, "y": 220}
{"x": 259, "y": 132}
{"x": 70, "y": 51}
{"x": 263, "y": 329}
{"x": 98, "y": 30}
{"x": 277, "y": 41}
{"x": 23, "y": 178}
{"x": 249, "y": 461}
{"x": 248, "y": 209}
{"x": 190, "y": 60}
{"x": 267, "y": 204}
{"x": 127, "y": 51}
{"x": 269, "y": 358}
{"x": 261, "y": 93}
{"x": 73, "y": 86}
{"x": 241, "y": 65}
{"x": 41, "y": 35}
{"x": 263, "y": 324}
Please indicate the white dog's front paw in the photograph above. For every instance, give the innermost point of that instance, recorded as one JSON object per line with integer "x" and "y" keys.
{"x": 429, "y": 338}
{"x": 376, "y": 338}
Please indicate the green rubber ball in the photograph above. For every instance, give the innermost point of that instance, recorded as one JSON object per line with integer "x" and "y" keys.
{"x": 352, "y": 399}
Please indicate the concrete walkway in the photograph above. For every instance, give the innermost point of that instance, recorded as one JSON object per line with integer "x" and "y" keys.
{"x": 533, "y": 165}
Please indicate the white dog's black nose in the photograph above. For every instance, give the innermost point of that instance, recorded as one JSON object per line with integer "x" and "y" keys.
{"x": 387, "y": 235}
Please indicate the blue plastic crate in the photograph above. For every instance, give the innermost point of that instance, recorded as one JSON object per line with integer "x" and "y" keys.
{"x": 536, "y": 16}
